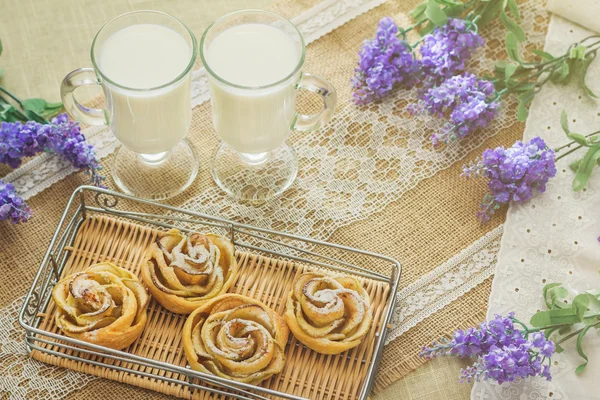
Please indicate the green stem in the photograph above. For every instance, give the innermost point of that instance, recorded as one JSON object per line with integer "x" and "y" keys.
{"x": 403, "y": 32}
{"x": 16, "y": 111}
{"x": 37, "y": 117}
{"x": 568, "y": 144}
{"x": 577, "y": 332}
{"x": 12, "y": 96}
{"x": 568, "y": 152}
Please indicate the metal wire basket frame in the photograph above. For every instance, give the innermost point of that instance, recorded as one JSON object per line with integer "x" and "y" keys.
{"x": 88, "y": 200}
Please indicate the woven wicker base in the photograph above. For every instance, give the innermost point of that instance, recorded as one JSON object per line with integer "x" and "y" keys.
{"x": 306, "y": 373}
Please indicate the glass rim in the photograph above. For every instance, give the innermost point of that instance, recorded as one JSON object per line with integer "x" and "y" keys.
{"x": 252, "y": 11}
{"x": 187, "y": 69}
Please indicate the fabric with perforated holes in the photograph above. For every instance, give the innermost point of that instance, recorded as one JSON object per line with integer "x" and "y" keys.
{"x": 553, "y": 237}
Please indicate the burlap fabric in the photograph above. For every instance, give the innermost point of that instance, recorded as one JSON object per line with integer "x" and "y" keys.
{"x": 425, "y": 227}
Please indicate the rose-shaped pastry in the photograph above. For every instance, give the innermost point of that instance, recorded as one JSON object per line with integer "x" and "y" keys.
{"x": 235, "y": 337}
{"x": 183, "y": 271}
{"x": 105, "y": 305}
{"x": 329, "y": 314}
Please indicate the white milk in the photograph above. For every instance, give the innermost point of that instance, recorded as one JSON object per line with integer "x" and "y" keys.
{"x": 253, "y": 121}
{"x": 142, "y": 57}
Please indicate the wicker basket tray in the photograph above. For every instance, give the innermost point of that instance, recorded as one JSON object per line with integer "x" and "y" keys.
{"x": 90, "y": 234}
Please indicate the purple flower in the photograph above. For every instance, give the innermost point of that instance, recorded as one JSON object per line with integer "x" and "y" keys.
{"x": 60, "y": 136}
{"x": 502, "y": 352}
{"x": 514, "y": 174}
{"x": 17, "y": 141}
{"x": 469, "y": 104}
{"x": 384, "y": 63}
{"x": 12, "y": 206}
{"x": 445, "y": 50}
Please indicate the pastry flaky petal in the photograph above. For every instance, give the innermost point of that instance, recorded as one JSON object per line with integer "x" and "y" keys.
{"x": 182, "y": 271}
{"x": 104, "y": 305}
{"x": 235, "y": 337}
{"x": 329, "y": 314}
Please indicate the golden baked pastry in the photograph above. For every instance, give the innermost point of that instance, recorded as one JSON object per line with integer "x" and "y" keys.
{"x": 104, "y": 305}
{"x": 235, "y": 337}
{"x": 329, "y": 314}
{"x": 183, "y": 271}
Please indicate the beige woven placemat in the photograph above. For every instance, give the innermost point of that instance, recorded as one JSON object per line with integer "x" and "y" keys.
{"x": 36, "y": 61}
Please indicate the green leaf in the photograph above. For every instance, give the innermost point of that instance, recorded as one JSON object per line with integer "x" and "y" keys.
{"x": 35, "y": 105}
{"x": 500, "y": 65}
{"x": 564, "y": 329}
{"x": 8, "y": 113}
{"x": 489, "y": 13}
{"x": 578, "y": 138}
{"x": 585, "y": 63}
{"x": 564, "y": 71}
{"x": 418, "y": 11}
{"x": 525, "y": 87}
{"x": 581, "y": 303}
{"x": 577, "y": 53}
{"x": 555, "y": 317}
{"x": 548, "y": 332}
{"x": 0, "y": 46}
{"x": 33, "y": 116}
{"x": 454, "y": 11}
{"x": 545, "y": 293}
{"x": 557, "y": 294}
{"x": 514, "y": 9}
{"x": 594, "y": 292}
{"x": 585, "y": 168}
{"x": 512, "y": 26}
{"x": 512, "y": 46}
{"x": 509, "y": 71}
{"x": 40, "y": 109}
{"x": 449, "y": 3}
{"x": 543, "y": 54}
{"x": 522, "y": 113}
{"x": 579, "y": 347}
{"x": 574, "y": 166}
{"x": 564, "y": 122}
{"x": 428, "y": 28}
{"x": 524, "y": 99}
{"x": 559, "y": 348}
{"x": 435, "y": 13}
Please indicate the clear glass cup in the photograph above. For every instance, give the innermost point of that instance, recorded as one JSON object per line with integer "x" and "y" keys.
{"x": 155, "y": 160}
{"x": 253, "y": 162}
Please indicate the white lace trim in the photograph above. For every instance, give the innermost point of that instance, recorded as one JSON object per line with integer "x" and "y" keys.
{"x": 446, "y": 283}
{"x": 45, "y": 170}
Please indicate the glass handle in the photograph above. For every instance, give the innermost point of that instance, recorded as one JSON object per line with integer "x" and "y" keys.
{"x": 322, "y": 87}
{"x": 77, "y": 111}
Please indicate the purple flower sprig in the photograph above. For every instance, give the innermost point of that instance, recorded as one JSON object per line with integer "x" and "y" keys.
{"x": 468, "y": 103}
{"x": 388, "y": 61}
{"x": 514, "y": 174}
{"x": 61, "y": 136}
{"x": 502, "y": 352}
{"x": 385, "y": 63}
{"x": 445, "y": 51}
{"x": 12, "y": 207}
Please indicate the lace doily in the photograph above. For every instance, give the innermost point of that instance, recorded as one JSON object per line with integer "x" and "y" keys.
{"x": 24, "y": 377}
{"x": 553, "y": 237}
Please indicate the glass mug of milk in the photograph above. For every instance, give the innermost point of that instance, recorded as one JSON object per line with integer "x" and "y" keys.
{"x": 253, "y": 60}
{"x": 143, "y": 62}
